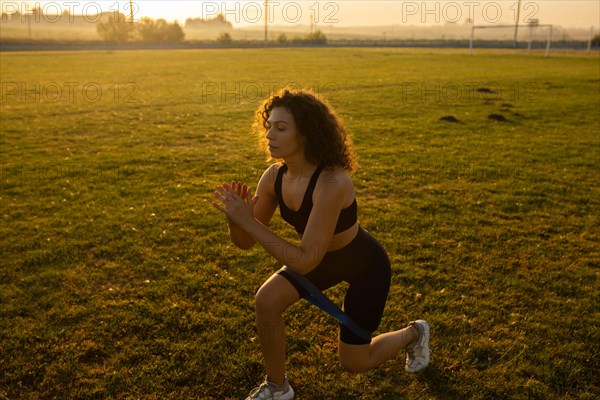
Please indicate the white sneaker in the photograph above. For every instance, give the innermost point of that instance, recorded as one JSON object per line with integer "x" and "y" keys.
{"x": 417, "y": 353}
{"x": 270, "y": 391}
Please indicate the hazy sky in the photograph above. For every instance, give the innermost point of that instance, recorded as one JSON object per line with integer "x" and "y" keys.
{"x": 248, "y": 13}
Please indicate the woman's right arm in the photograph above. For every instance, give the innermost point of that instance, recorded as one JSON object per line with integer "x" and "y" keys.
{"x": 263, "y": 209}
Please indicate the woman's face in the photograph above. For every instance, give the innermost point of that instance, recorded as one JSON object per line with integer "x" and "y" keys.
{"x": 284, "y": 140}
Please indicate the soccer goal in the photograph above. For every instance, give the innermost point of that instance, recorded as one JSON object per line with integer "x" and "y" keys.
{"x": 532, "y": 28}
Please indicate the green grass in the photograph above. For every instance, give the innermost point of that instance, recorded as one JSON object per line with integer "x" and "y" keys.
{"x": 117, "y": 279}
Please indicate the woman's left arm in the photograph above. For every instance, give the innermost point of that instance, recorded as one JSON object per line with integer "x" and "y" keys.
{"x": 328, "y": 198}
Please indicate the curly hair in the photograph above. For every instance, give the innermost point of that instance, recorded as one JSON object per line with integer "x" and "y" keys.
{"x": 326, "y": 142}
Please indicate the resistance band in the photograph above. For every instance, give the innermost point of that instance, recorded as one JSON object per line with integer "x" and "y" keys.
{"x": 317, "y": 298}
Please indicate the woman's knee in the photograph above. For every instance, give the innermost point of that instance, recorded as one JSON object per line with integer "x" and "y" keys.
{"x": 353, "y": 366}
{"x": 275, "y": 295}
{"x": 264, "y": 299}
{"x": 354, "y": 358}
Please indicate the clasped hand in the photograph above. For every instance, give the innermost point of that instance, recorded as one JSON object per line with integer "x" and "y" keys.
{"x": 236, "y": 202}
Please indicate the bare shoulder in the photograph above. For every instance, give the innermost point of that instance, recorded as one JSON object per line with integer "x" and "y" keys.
{"x": 336, "y": 180}
{"x": 267, "y": 180}
{"x": 267, "y": 204}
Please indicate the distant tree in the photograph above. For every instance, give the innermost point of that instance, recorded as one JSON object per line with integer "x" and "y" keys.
{"x": 174, "y": 33}
{"x": 159, "y": 31}
{"x": 596, "y": 41}
{"x": 15, "y": 16}
{"x": 224, "y": 38}
{"x": 148, "y": 29}
{"x": 217, "y": 23}
{"x": 282, "y": 38}
{"x": 114, "y": 28}
{"x": 316, "y": 37}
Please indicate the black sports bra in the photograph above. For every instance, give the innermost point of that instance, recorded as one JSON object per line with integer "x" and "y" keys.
{"x": 299, "y": 219}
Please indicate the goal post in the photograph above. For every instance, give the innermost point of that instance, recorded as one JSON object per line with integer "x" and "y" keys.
{"x": 531, "y": 26}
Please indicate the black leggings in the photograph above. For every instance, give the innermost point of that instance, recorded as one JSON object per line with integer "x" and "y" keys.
{"x": 364, "y": 264}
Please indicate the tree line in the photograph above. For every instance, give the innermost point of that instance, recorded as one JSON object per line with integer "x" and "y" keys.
{"x": 118, "y": 29}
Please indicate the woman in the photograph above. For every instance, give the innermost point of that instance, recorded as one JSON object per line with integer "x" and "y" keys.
{"x": 311, "y": 185}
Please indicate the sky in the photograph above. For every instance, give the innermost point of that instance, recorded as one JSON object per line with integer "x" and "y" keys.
{"x": 250, "y": 13}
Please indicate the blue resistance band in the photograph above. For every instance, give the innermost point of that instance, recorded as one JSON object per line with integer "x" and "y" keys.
{"x": 317, "y": 298}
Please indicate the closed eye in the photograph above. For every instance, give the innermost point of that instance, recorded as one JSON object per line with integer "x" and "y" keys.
{"x": 279, "y": 125}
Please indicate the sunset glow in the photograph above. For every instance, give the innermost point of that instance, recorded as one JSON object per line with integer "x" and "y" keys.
{"x": 248, "y": 13}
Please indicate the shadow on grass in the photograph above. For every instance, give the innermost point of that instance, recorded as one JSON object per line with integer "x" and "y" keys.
{"x": 440, "y": 384}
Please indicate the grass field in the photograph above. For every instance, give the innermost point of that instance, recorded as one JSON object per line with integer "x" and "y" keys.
{"x": 117, "y": 279}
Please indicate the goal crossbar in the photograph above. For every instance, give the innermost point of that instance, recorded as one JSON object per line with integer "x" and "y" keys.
{"x": 530, "y": 26}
